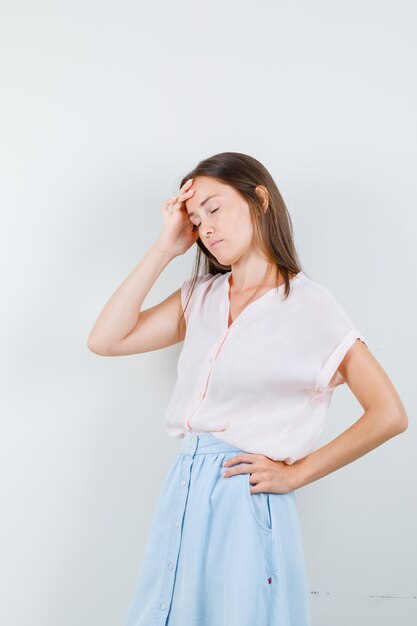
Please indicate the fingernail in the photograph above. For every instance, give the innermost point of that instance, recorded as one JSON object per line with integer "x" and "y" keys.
{"x": 224, "y": 462}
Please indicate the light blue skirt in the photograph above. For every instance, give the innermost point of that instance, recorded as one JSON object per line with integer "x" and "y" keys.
{"x": 217, "y": 554}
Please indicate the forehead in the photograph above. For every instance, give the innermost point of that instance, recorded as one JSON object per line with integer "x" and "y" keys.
{"x": 205, "y": 189}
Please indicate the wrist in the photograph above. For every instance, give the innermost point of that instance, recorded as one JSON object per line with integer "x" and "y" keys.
{"x": 298, "y": 478}
{"x": 163, "y": 251}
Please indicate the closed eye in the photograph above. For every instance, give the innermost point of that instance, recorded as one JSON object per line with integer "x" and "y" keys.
{"x": 213, "y": 211}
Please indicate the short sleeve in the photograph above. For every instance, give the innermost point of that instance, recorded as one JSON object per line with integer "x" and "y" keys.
{"x": 186, "y": 291}
{"x": 338, "y": 333}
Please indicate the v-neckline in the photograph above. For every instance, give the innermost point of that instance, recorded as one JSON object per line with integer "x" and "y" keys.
{"x": 273, "y": 291}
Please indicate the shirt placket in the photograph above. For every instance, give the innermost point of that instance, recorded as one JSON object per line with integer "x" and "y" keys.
{"x": 210, "y": 360}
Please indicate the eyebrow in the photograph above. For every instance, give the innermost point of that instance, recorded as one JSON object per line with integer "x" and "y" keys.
{"x": 203, "y": 203}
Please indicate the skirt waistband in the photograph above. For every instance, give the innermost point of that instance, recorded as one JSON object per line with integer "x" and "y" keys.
{"x": 204, "y": 443}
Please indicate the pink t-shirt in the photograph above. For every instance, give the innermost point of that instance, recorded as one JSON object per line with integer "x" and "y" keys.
{"x": 264, "y": 384}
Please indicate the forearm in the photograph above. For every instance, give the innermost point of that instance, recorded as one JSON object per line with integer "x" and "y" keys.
{"x": 120, "y": 313}
{"x": 371, "y": 430}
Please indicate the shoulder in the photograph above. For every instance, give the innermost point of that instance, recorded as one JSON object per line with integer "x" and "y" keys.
{"x": 200, "y": 282}
{"x": 318, "y": 293}
{"x": 195, "y": 290}
{"x": 319, "y": 302}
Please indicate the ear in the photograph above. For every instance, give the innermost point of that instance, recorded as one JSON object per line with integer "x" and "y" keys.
{"x": 262, "y": 192}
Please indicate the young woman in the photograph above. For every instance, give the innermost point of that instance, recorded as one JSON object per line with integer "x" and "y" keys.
{"x": 264, "y": 348}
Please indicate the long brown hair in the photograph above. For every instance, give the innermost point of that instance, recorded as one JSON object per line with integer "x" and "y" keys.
{"x": 273, "y": 226}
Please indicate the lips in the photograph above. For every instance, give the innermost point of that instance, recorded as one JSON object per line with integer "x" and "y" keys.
{"x": 215, "y": 242}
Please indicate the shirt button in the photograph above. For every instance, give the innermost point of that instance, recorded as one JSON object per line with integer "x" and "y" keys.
{"x": 183, "y": 482}
{"x": 176, "y": 524}
{"x": 163, "y": 605}
{"x": 210, "y": 359}
{"x": 170, "y": 566}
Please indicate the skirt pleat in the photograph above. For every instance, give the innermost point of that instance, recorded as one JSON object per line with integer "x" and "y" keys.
{"x": 217, "y": 555}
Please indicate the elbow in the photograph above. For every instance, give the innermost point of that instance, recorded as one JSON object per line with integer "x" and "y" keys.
{"x": 401, "y": 417}
{"x": 92, "y": 347}
{"x": 95, "y": 347}
{"x": 403, "y": 422}
{"x": 399, "y": 422}
{"x": 90, "y": 344}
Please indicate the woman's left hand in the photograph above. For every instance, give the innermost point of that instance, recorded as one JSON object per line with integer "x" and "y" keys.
{"x": 266, "y": 474}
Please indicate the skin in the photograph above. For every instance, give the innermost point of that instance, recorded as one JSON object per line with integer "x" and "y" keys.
{"x": 227, "y": 217}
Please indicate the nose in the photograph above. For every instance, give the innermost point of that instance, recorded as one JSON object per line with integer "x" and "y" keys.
{"x": 206, "y": 229}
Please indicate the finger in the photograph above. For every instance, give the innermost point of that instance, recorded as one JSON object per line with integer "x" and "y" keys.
{"x": 185, "y": 188}
{"x": 187, "y": 184}
{"x": 243, "y": 468}
{"x": 187, "y": 194}
{"x": 238, "y": 458}
{"x": 170, "y": 201}
{"x": 256, "y": 484}
{"x": 231, "y": 461}
{"x": 177, "y": 200}
{"x": 258, "y": 488}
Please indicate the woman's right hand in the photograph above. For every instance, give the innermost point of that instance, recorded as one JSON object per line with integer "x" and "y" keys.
{"x": 178, "y": 234}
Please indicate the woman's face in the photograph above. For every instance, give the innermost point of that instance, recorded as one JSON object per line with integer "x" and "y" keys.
{"x": 220, "y": 212}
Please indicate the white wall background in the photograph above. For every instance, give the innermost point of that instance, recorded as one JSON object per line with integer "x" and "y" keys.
{"x": 104, "y": 106}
